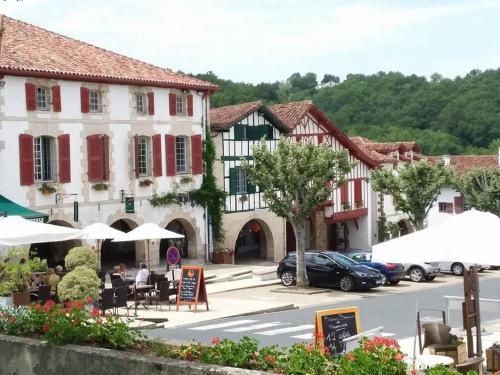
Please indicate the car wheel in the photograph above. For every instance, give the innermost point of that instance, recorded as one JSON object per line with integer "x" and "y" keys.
{"x": 384, "y": 279}
{"x": 430, "y": 278}
{"x": 416, "y": 274}
{"x": 347, "y": 284}
{"x": 457, "y": 269}
{"x": 287, "y": 278}
{"x": 394, "y": 282}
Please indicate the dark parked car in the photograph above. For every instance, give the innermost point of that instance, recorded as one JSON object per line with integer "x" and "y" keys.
{"x": 393, "y": 273}
{"x": 329, "y": 268}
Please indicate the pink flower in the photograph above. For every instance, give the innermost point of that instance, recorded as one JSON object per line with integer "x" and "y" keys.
{"x": 94, "y": 312}
{"x": 215, "y": 341}
{"x": 399, "y": 357}
{"x": 350, "y": 357}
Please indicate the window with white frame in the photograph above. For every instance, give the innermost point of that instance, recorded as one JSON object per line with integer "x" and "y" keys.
{"x": 144, "y": 156}
{"x": 42, "y": 99}
{"x": 95, "y": 101}
{"x": 43, "y": 153}
{"x": 241, "y": 181}
{"x": 181, "y": 165}
{"x": 180, "y": 105}
{"x": 140, "y": 103}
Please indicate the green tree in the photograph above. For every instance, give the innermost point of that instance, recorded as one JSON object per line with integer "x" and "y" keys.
{"x": 294, "y": 179}
{"x": 414, "y": 187}
{"x": 481, "y": 189}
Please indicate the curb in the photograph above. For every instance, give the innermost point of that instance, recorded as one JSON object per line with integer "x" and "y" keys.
{"x": 277, "y": 281}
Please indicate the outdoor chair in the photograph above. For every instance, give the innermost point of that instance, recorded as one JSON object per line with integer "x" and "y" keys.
{"x": 162, "y": 295}
{"x": 470, "y": 364}
{"x": 116, "y": 283}
{"x": 120, "y": 299}
{"x": 43, "y": 294}
{"x": 106, "y": 300}
{"x": 114, "y": 276}
{"x": 159, "y": 278}
{"x": 437, "y": 336}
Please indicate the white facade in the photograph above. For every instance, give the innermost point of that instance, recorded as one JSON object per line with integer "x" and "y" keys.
{"x": 120, "y": 122}
{"x": 444, "y": 206}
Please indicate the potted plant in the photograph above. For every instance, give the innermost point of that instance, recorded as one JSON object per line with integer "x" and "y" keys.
{"x": 186, "y": 179}
{"x": 100, "y": 187}
{"x": 145, "y": 183}
{"x": 346, "y": 206}
{"x": 223, "y": 255}
{"x": 243, "y": 198}
{"x": 359, "y": 204}
{"x": 46, "y": 189}
{"x": 79, "y": 284}
{"x": 15, "y": 280}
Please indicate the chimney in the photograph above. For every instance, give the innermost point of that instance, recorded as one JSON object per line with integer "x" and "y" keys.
{"x": 446, "y": 160}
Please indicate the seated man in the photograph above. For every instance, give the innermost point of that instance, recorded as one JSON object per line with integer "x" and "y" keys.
{"x": 142, "y": 275}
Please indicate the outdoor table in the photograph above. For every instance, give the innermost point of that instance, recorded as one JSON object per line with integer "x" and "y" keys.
{"x": 139, "y": 289}
{"x": 432, "y": 360}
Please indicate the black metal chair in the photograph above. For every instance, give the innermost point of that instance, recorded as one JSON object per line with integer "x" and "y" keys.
{"x": 120, "y": 300}
{"x": 116, "y": 283}
{"x": 159, "y": 278}
{"x": 162, "y": 295}
{"x": 114, "y": 276}
{"x": 107, "y": 300}
{"x": 43, "y": 294}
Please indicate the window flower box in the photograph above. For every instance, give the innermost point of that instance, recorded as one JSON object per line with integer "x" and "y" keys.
{"x": 47, "y": 189}
{"x": 346, "y": 206}
{"x": 359, "y": 204}
{"x": 146, "y": 182}
{"x": 186, "y": 179}
{"x": 100, "y": 187}
{"x": 243, "y": 198}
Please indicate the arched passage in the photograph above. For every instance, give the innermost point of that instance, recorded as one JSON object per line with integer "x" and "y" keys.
{"x": 55, "y": 252}
{"x": 113, "y": 253}
{"x": 186, "y": 245}
{"x": 404, "y": 227}
{"x": 252, "y": 242}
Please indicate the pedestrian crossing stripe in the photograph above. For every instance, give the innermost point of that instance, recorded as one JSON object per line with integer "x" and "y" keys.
{"x": 255, "y": 327}
{"x": 307, "y": 336}
{"x": 223, "y": 325}
{"x": 280, "y": 331}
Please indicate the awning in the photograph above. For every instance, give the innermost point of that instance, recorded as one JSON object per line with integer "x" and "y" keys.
{"x": 13, "y": 209}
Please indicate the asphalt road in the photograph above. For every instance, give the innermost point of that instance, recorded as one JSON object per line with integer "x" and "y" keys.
{"x": 395, "y": 311}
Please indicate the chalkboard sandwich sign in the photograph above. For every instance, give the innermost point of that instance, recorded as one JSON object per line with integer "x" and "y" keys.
{"x": 192, "y": 288}
{"x": 333, "y": 326}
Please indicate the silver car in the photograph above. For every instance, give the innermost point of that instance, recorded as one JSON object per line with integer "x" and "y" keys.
{"x": 422, "y": 271}
{"x": 457, "y": 268}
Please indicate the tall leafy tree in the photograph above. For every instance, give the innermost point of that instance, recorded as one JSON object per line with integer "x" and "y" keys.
{"x": 481, "y": 189}
{"x": 294, "y": 179}
{"x": 413, "y": 187}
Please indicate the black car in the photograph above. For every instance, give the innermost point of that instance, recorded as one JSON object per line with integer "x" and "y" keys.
{"x": 393, "y": 273}
{"x": 329, "y": 268}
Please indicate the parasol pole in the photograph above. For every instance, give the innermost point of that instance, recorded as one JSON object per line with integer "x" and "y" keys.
{"x": 149, "y": 264}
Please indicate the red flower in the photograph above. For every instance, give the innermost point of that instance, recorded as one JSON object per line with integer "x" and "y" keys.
{"x": 94, "y": 312}
{"x": 215, "y": 341}
{"x": 269, "y": 358}
{"x": 49, "y": 304}
{"x": 89, "y": 300}
{"x": 310, "y": 348}
{"x": 350, "y": 357}
{"x": 399, "y": 357}
{"x": 45, "y": 328}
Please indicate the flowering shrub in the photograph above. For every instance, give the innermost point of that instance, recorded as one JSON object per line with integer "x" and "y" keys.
{"x": 445, "y": 370}
{"x": 71, "y": 324}
{"x": 78, "y": 284}
{"x": 80, "y": 256}
{"x": 378, "y": 356}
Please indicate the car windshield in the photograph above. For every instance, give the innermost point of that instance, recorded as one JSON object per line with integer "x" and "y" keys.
{"x": 342, "y": 259}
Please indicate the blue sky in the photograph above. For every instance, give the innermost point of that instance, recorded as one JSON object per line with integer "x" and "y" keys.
{"x": 268, "y": 40}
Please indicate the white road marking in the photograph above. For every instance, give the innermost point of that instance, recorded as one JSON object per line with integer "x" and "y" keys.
{"x": 223, "y": 325}
{"x": 307, "y": 336}
{"x": 254, "y": 327}
{"x": 285, "y": 330}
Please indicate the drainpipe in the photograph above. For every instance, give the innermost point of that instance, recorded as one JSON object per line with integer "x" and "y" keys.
{"x": 204, "y": 124}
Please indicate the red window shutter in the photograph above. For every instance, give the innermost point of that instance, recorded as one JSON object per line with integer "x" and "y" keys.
{"x": 196, "y": 154}
{"x": 56, "y": 98}
{"x": 344, "y": 193}
{"x": 30, "y": 96}
{"x": 95, "y": 158}
{"x": 151, "y": 103}
{"x": 172, "y": 101}
{"x": 190, "y": 105}
{"x": 64, "y": 158}
{"x": 459, "y": 204}
{"x": 26, "y": 162}
{"x": 298, "y": 138}
{"x": 358, "y": 190}
{"x": 136, "y": 156}
{"x": 157, "y": 167}
{"x": 170, "y": 152}
{"x": 84, "y": 99}
{"x": 105, "y": 156}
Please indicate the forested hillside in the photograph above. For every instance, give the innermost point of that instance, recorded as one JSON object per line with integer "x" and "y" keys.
{"x": 445, "y": 116}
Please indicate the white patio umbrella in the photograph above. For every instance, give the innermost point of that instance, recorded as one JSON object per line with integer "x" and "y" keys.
{"x": 98, "y": 232}
{"x": 470, "y": 237}
{"x": 15, "y": 230}
{"x": 147, "y": 232}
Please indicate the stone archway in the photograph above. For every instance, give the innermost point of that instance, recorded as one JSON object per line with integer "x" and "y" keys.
{"x": 187, "y": 246}
{"x": 253, "y": 242}
{"x": 55, "y": 252}
{"x": 113, "y": 253}
{"x": 405, "y": 227}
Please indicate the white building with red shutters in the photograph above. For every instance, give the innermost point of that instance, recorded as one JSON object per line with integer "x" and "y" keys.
{"x": 82, "y": 124}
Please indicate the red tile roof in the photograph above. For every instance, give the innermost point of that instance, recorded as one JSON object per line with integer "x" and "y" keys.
{"x": 28, "y": 50}
{"x": 291, "y": 115}
{"x": 464, "y": 163}
{"x": 225, "y": 117}
{"x": 365, "y": 145}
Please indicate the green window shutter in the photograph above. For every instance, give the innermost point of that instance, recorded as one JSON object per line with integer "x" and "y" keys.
{"x": 239, "y": 132}
{"x": 270, "y": 132}
{"x": 250, "y": 188}
{"x": 233, "y": 176}
{"x": 253, "y": 133}
{"x": 263, "y": 131}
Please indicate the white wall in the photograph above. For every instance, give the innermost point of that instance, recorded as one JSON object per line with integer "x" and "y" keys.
{"x": 447, "y": 195}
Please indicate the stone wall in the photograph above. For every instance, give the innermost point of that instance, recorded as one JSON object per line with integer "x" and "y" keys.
{"x": 23, "y": 356}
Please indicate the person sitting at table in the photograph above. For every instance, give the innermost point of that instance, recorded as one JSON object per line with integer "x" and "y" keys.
{"x": 142, "y": 275}
{"x": 59, "y": 270}
{"x": 123, "y": 272}
{"x": 52, "y": 279}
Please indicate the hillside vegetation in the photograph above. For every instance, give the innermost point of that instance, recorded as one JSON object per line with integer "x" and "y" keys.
{"x": 445, "y": 116}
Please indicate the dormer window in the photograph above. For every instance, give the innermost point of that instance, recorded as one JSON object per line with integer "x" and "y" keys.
{"x": 140, "y": 103}
{"x": 42, "y": 99}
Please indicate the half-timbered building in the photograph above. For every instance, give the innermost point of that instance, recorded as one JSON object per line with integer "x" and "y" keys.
{"x": 344, "y": 221}
{"x": 249, "y": 227}
{"x": 83, "y": 130}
